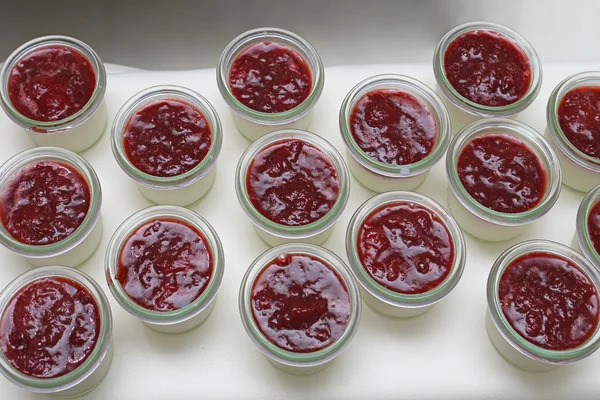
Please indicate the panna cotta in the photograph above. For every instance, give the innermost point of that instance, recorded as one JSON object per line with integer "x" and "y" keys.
{"x": 167, "y": 139}
{"x": 54, "y": 87}
{"x": 271, "y": 79}
{"x": 395, "y": 129}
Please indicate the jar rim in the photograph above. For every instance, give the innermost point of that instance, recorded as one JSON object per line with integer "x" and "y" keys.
{"x": 15, "y": 164}
{"x": 508, "y": 332}
{"x": 271, "y": 350}
{"x": 64, "y": 382}
{"x": 284, "y": 37}
{"x": 582, "y": 232}
{"x": 475, "y": 108}
{"x": 529, "y": 137}
{"x": 389, "y": 296}
{"x": 72, "y": 121}
{"x": 123, "y": 233}
{"x": 588, "y": 78}
{"x": 298, "y": 231}
{"x": 148, "y": 96}
{"x": 414, "y": 88}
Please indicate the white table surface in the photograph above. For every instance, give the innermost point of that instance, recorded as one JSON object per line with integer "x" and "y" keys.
{"x": 444, "y": 354}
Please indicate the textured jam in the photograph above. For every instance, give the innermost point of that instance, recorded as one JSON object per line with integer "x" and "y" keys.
{"x": 405, "y": 248}
{"x": 49, "y": 328}
{"x": 167, "y": 138}
{"x": 593, "y": 224}
{"x": 487, "y": 68}
{"x": 165, "y": 265}
{"x": 579, "y": 119}
{"x": 502, "y": 173}
{"x": 44, "y": 203}
{"x": 549, "y": 301}
{"x": 270, "y": 78}
{"x": 292, "y": 183}
{"x": 300, "y": 303}
{"x": 51, "y": 84}
{"x": 393, "y": 127}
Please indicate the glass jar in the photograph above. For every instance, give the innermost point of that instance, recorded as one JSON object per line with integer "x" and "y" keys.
{"x": 79, "y": 245}
{"x": 512, "y": 346}
{"x": 382, "y": 299}
{"x": 274, "y": 233}
{"x": 581, "y": 172}
{"x": 288, "y": 361}
{"x": 179, "y": 190}
{"x": 182, "y": 319}
{"x": 463, "y": 111}
{"x": 254, "y": 124}
{"x": 582, "y": 241}
{"x": 77, "y": 132}
{"x": 379, "y": 176}
{"x": 485, "y": 223}
{"x": 89, "y": 374}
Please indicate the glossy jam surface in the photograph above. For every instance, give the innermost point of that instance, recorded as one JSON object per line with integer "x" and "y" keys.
{"x": 502, "y": 173}
{"x": 167, "y": 138}
{"x": 487, "y": 68}
{"x": 164, "y": 265}
{"x": 51, "y": 84}
{"x": 393, "y": 127}
{"x": 300, "y": 303}
{"x": 44, "y": 203}
{"x": 292, "y": 183}
{"x": 270, "y": 78}
{"x": 549, "y": 301}
{"x": 593, "y": 224}
{"x": 49, "y": 327}
{"x": 579, "y": 119}
{"x": 405, "y": 247}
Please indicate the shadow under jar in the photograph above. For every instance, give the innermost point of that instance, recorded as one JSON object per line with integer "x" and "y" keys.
{"x": 293, "y": 185}
{"x": 316, "y": 292}
{"x": 533, "y": 325}
{"x": 179, "y": 253}
{"x": 406, "y": 252}
{"x": 586, "y": 239}
{"x": 395, "y": 129}
{"x": 485, "y": 70}
{"x": 62, "y": 359}
{"x": 271, "y": 79}
{"x": 167, "y": 139}
{"x": 502, "y": 176}
{"x": 53, "y": 87}
{"x": 45, "y": 225}
{"x": 573, "y": 129}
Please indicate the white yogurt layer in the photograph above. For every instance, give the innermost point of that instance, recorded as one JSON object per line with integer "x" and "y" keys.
{"x": 380, "y": 183}
{"x": 76, "y": 139}
{"x": 252, "y": 130}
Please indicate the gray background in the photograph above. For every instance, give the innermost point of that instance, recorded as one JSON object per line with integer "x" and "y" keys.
{"x": 172, "y": 34}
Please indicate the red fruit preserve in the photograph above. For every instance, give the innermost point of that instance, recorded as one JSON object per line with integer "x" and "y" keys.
{"x": 594, "y": 226}
{"x": 167, "y": 138}
{"x": 487, "y": 68}
{"x": 579, "y": 119}
{"x": 165, "y": 265}
{"x": 300, "y": 303}
{"x": 44, "y": 203}
{"x": 502, "y": 173}
{"x": 405, "y": 248}
{"x": 393, "y": 127}
{"x": 270, "y": 78}
{"x": 292, "y": 183}
{"x": 51, "y": 84}
{"x": 549, "y": 301}
{"x": 49, "y": 328}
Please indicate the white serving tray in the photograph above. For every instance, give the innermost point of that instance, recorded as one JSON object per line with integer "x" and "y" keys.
{"x": 444, "y": 354}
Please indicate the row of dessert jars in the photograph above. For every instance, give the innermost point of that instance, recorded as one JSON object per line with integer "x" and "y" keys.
{"x": 53, "y": 110}
{"x": 521, "y": 288}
